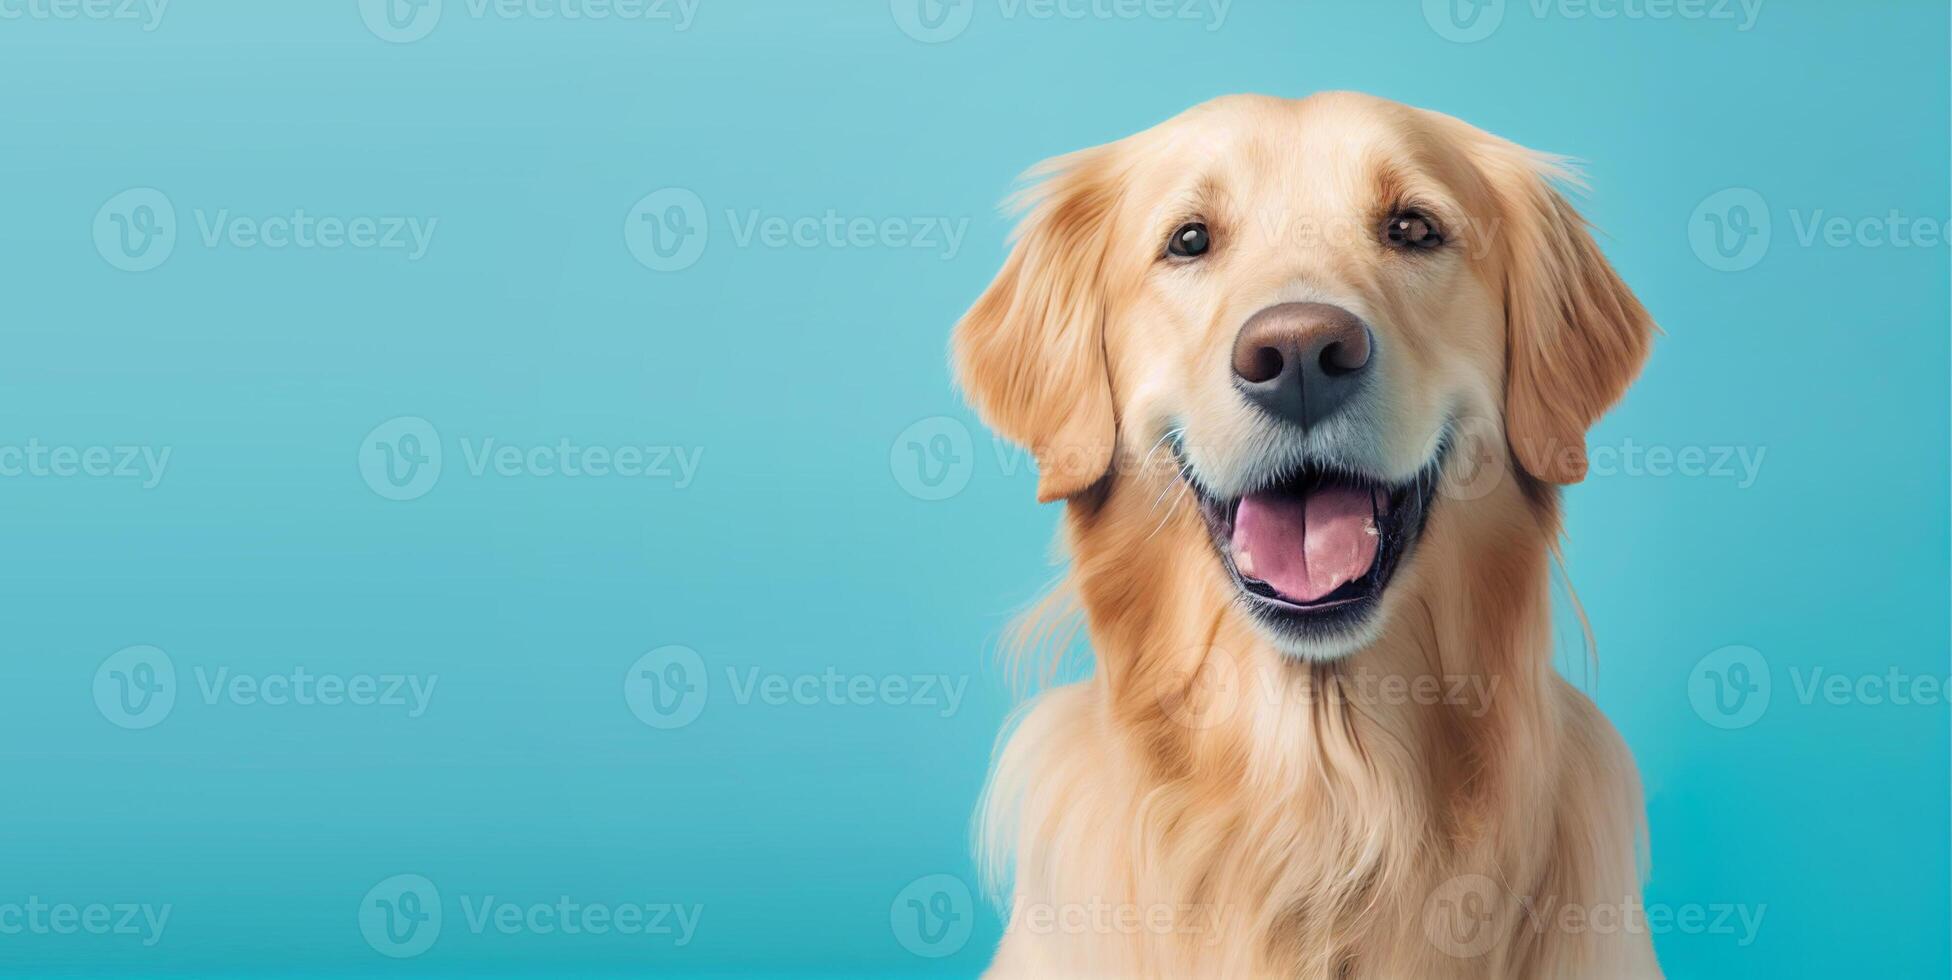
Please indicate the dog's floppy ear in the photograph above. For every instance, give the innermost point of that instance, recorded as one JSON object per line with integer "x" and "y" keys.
{"x": 1575, "y": 335}
{"x": 1031, "y": 352}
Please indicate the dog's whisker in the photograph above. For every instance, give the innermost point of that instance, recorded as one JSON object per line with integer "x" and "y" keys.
{"x": 1184, "y": 491}
{"x": 1163, "y": 491}
{"x": 1171, "y": 434}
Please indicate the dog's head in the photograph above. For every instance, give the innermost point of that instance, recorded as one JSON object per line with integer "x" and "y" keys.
{"x": 1315, "y": 309}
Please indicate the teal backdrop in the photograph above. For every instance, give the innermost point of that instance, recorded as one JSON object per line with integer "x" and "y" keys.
{"x": 482, "y": 493}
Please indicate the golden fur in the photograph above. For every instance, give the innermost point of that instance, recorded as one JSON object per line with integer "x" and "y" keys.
{"x": 1206, "y": 804}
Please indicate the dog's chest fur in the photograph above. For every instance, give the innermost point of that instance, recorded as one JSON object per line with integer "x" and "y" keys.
{"x": 1316, "y": 865}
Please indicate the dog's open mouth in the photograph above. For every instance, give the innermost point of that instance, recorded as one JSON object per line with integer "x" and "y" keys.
{"x": 1313, "y": 550}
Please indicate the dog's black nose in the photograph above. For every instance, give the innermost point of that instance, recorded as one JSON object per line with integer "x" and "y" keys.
{"x": 1301, "y": 361}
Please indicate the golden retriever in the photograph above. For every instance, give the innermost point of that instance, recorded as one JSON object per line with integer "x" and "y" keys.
{"x": 1307, "y": 374}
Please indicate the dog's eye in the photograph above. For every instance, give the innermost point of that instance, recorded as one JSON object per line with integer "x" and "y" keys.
{"x": 1412, "y": 229}
{"x": 1189, "y": 241}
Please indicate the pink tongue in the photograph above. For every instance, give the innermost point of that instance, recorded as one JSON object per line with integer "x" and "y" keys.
{"x": 1306, "y": 546}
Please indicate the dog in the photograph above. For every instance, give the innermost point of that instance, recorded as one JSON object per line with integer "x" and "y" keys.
{"x": 1308, "y": 375}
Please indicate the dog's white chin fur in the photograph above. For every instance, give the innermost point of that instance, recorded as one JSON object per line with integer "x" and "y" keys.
{"x": 1323, "y": 650}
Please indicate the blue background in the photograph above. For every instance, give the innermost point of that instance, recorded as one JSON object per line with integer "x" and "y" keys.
{"x": 799, "y": 547}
